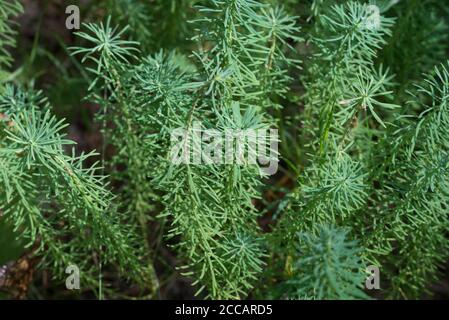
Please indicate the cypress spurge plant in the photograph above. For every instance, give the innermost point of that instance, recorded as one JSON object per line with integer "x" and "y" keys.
{"x": 57, "y": 205}
{"x": 371, "y": 166}
{"x": 415, "y": 212}
{"x": 329, "y": 267}
{"x": 230, "y": 85}
{"x": 8, "y": 10}
{"x": 62, "y": 210}
{"x": 362, "y": 177}
{"x": 155, "y": 24}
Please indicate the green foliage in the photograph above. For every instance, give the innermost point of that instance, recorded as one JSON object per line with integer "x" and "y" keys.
{"x": 8, "y": 9}
{"x": 372, "y": 166}
{"x": 209, "y": 207}
{"x": 415, "y": 160}
{"x": 61, "y": 209}
{"x": 154, "y": 24}
{"x": 328, "y": 266}
{"x": 58, "y": 206}
{"x": 364, "y": 162}
{"x": 419, "y": 42}
{"x": 346, "y": 48}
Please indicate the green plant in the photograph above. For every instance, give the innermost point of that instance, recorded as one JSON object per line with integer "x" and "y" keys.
{"x": 209, "y": 206}
{"x": 8, "y": 10}
{"x": 56, "y": 205}
{"x": 415, "y": 162}
{"x": 328, "y": 266}
{"x": 362, "y": 162}
{"x": 60, "y": 208}
{"x": 356, "y": 176}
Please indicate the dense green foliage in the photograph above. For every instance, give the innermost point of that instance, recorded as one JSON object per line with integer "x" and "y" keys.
{"x": 363, "y": 171}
